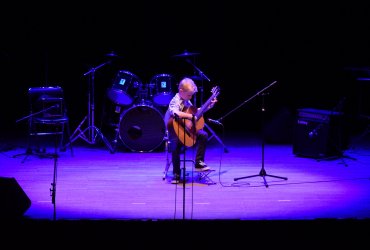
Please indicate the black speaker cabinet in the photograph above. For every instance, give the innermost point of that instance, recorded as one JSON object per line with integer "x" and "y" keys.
{"x": 318, "y": 133}
{"x": 14, "y": 201}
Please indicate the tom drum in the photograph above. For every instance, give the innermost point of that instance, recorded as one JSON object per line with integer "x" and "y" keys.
{"x": 161, "y": 89}
{"x": 125, "y": 88}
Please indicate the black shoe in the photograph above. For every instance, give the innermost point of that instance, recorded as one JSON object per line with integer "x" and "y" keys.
{"x": 201, "y": 166}
{"x": 175, "y": 179}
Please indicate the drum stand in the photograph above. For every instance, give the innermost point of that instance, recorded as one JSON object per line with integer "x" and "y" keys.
{"x": 91, "y": 130}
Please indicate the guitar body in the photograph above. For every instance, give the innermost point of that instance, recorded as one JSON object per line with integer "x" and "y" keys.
{"x": 186, "y": 131}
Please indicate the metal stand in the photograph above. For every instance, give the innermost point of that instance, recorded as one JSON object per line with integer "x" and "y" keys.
{"x": 262, "y": 172}
{"x": 168, "y": 161}
{"x": 91, "y": 130}
{"x": 184, "y": 175}
{"x": 53, "y": 188}
{"x": 215, "y": 136}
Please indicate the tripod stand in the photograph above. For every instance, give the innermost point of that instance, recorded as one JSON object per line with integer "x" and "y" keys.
{"x": 91, "y": 130}
{"x": 262, "y": 172}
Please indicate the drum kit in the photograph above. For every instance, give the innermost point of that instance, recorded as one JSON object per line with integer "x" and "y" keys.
{"x": 141, "y": 125}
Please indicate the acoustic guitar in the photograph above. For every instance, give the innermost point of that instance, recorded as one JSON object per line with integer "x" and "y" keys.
{"x": 186, "y": 129}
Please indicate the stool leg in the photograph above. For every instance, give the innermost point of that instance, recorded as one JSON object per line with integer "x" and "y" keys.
{"x": 168, "y": 162}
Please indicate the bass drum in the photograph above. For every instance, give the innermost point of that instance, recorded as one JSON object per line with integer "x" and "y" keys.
{"x": 142, "y": 128}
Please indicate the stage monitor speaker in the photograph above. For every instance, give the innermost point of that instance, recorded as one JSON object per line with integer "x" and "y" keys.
{"x": 318, "y": 133}
{"x": 14, "y": 201}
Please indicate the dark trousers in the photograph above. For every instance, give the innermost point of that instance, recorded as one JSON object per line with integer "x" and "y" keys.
{"x": 176, "y": 146}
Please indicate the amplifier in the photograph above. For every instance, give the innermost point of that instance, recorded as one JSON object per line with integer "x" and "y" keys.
{"x": 318, "y": 133}
{"x": 318, "y": 115}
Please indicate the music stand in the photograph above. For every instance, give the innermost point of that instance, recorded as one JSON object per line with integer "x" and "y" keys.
{"x": 91, "y": 129}
{"x": 262, "y": 172}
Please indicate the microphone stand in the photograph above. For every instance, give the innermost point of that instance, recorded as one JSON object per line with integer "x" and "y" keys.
{"x": 36, "y": 113}
{"x": 90, "y": 117}
{"x": 53, "y": 188}
{"x": 184, "y": 174}
{"x": 199, "y": 71}
{"x": 219, "y": 120}
{"x": 262, "y": 172}
{"x": 202, "y": 76}
{"x": 246, "y": 101}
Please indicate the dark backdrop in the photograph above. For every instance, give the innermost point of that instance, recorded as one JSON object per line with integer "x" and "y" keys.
{"x": 314, "y": 52}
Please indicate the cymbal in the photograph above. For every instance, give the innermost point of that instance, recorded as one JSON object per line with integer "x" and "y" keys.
{"x": 187, "y": 54}
{"x": 111, "y": 54}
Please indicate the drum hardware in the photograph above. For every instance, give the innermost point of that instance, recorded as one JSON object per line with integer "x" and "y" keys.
{"x": 91, "y": 130}
{"x": 144, "y": 102}
{"x": 117, "y": 109}
{"x": 142, "y": 93}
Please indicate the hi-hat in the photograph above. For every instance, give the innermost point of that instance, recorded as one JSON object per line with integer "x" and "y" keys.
{"x": 187, "y": 54}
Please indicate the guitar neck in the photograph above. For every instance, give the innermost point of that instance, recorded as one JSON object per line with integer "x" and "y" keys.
{"x": 202, "y": 109}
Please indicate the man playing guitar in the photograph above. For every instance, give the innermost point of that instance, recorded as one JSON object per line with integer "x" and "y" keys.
{"x": 185, "y": 125}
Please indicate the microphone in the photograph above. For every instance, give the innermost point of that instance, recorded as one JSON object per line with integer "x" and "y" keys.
{"x": 176, "y": 116}
{"x": 215, "y": 122}
{"x": 53, "y": 107}
{"x": 313, "y": 133}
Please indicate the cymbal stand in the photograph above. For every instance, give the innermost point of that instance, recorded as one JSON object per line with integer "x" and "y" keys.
{"x": 262, "y": 172}
{"x": 91, "y": 130}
